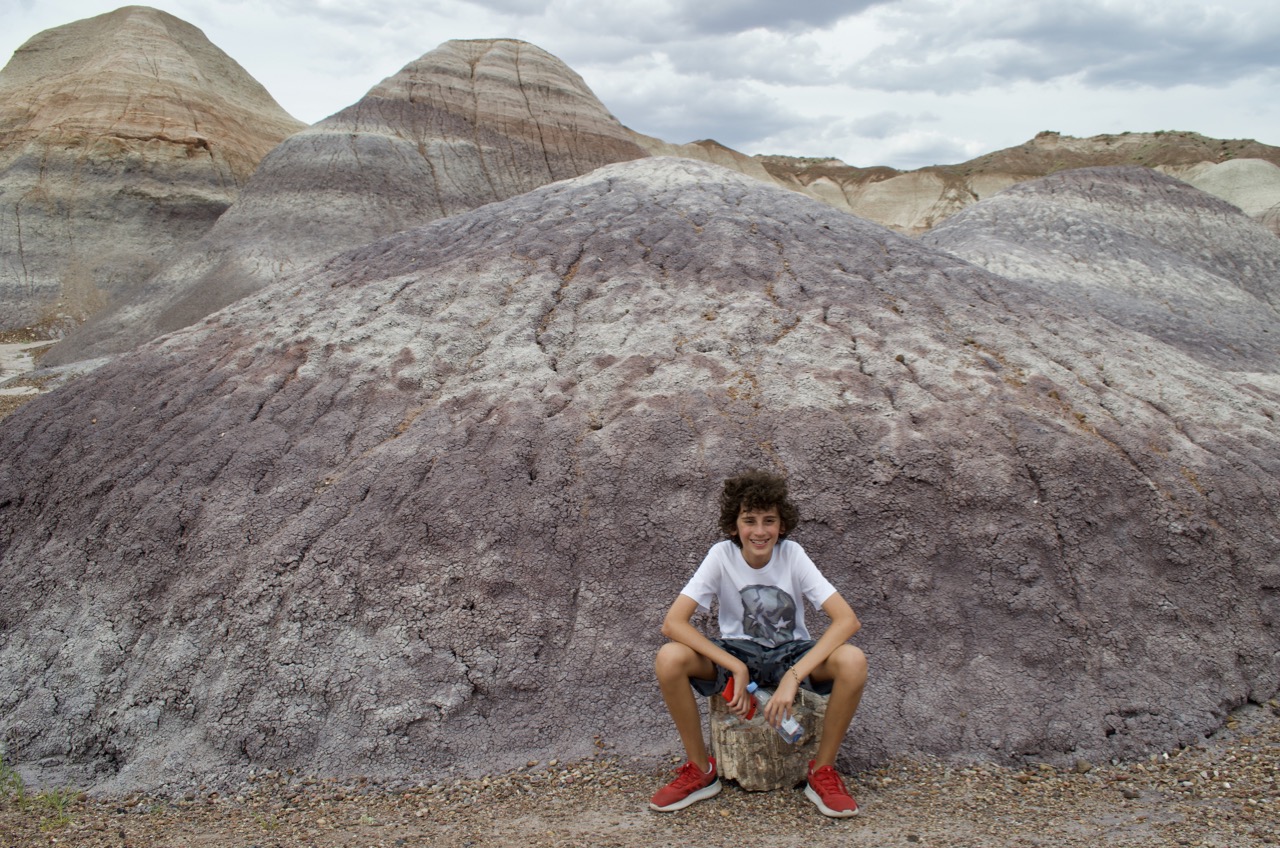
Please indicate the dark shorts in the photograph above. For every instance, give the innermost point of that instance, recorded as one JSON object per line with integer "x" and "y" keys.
{"x": 765, "y": 665}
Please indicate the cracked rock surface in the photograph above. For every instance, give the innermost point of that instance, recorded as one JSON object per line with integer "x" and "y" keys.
{"x": 122, "y": 137}
{"x": 420, "y": 510}
{"x": 1141, "y": 249}
{"x": 469, "y": 123}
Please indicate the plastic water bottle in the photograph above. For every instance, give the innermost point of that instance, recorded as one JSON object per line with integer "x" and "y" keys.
{"x": 789, "y": 729}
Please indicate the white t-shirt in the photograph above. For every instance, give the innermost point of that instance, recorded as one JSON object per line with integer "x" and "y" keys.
{"x": 760, "y": 604}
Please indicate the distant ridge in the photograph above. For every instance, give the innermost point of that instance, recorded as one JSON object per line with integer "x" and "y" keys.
{"x": 915, "y": 201}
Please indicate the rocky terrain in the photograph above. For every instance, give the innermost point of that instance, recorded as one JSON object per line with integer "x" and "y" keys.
{"x": 17, "y": 358}
{"x": 1178, "y": 265}
{"x": 469, "y": 123}
{"x": 1221, "y": 792}
{"x": 122, "y": 139}
{"x": 466, "y": 124}
{"x": 402, "y": 513}
{"x": 375, "y": 543}
{"x": 1244, "y": 173}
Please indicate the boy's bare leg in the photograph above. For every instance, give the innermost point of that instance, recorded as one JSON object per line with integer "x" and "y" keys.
{"x": 846, "y": 668}
{"x": 674, "y": 665}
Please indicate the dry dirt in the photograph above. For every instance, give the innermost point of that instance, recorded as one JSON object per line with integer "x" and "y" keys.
{"x": 19, "y": 349}
{"x": 1220, "y": 793}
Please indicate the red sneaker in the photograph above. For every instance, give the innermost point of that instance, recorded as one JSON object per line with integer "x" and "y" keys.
{"x": 691, "y": 784}
{"x": 826, "y": 789}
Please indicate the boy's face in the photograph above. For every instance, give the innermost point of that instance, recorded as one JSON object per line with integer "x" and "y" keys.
{"x": 758, "y": 531}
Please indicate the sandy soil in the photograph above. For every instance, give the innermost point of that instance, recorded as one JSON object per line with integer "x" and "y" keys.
{"x": 1221, "y": 793}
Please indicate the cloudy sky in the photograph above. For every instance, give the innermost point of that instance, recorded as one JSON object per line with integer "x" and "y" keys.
{"x": 905, "y": 83}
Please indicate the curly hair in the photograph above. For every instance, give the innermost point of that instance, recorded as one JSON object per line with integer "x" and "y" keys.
{"x": 756, "y": 490}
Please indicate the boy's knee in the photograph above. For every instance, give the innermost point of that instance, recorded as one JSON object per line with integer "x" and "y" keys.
{"x": 850, "y": 664}
{"x": 672, "y": 660}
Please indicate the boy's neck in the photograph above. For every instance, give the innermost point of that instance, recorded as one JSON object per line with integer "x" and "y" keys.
{"x": 747, "y": 559}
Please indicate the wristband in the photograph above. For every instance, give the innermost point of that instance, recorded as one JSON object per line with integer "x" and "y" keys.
{"x": 795, "y": 674}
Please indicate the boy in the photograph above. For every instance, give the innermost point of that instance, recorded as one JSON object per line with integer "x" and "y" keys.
{"x": 761, "y": 580}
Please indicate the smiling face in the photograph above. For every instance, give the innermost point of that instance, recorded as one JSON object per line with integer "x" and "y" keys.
{"x": 757, "y": 532}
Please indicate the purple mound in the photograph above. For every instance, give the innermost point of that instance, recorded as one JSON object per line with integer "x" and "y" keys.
{"x": 1141, "y": 249}
{"x": 421, "y": 510}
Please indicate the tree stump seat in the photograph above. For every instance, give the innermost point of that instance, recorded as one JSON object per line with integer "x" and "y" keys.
{"x": 753, "y": 754}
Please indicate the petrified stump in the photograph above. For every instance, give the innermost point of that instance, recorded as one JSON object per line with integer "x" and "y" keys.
{"x": 753, "y": 754}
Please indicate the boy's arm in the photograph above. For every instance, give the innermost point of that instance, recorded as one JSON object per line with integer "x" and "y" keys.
{"x": 677, "y": 627}
{"x": 843, "y": 625}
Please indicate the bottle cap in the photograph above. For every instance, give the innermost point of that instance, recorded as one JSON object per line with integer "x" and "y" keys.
{"x": 752, "y": 686}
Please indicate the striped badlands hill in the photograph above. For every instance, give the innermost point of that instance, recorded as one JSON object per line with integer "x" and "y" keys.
{"x": 469, "y": 123}
{"x": 122, "y": 138}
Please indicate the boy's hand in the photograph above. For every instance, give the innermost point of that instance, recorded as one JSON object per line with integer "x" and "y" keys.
{"x": 779, "y": 706}
{"x": 741, "y": 703}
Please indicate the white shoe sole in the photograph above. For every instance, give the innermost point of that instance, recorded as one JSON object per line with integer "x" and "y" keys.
{"x": 824, "y": 809}
{"x": 693, "y": 797}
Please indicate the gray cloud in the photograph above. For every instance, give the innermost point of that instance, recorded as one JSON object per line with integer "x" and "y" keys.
{"x": 1199, "y": 45}
{"x": 509, "y": 7}
{"x": 666, "y": 19}
{"x": 766, "y": 58}
{"x": 1103, "y": 45}
{"x": 884, "y": 125}
{"x": 930, "y": 150}
{"x": 691, "y": 110}
{"x": 901, "y": 140}
{"x": 720, "y": 17}
{"x": 372, "y": 16}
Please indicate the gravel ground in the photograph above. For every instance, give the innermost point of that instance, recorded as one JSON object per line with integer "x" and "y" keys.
{"x": 18, "y": 352}
{"x": 1221, "y": 793}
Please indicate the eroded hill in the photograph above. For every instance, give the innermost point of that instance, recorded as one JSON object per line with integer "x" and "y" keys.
{"x": 405, "y": 512}
{"x": 122, "y": 139}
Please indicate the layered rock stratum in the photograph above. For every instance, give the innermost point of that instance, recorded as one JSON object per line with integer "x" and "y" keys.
{"x": 1176, "y": 263}
{"x": 122, "y": 138}
{"x": 1245, "y": 173}
{"x": 469, "y": 123}
{"x": 137, "y": 253}
{"x": 420, "y": 511}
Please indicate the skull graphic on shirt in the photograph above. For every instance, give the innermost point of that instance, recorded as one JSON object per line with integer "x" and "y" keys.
{"x": 768, "y": 615}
